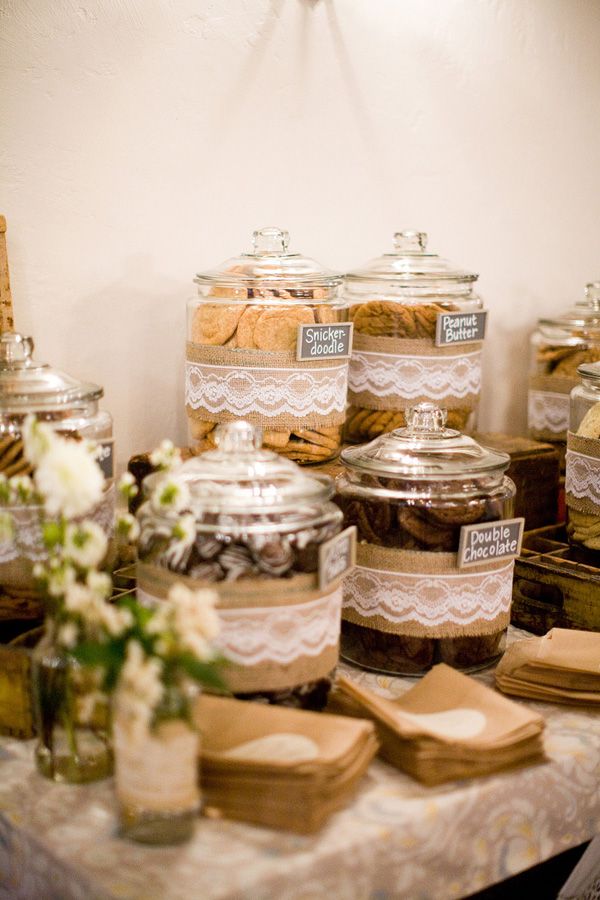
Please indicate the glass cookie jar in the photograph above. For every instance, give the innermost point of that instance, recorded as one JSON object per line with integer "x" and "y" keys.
{"x": 407, "y": 604}
{"x": 397, "y": 358}
{"x": 71, "y": 407}
{"x": 242, "y": 360}
{"x": 260, "y": 522}
{"x": 582, "y": 477}
{"x": 558, "y": 347}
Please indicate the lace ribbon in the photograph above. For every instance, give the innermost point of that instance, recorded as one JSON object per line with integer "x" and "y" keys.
{"x": 431, "y": 604}
{"x": 548, "y": 413}
{"x": 272, "y": 389}
{"x": 277, "y": 633}
{"x": 27, "y": 541}
{"x": 582, "y": 477}
{"x": 388, "y": 380}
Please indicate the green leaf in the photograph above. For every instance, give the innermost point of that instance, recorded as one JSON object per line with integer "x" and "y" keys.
{"x": 204, "y": 673}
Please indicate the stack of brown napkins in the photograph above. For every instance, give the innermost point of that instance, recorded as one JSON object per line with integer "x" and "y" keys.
{"x": 563, "y": 666}
{"x": 285, "y": 768}
{"x": 448, "y": 726}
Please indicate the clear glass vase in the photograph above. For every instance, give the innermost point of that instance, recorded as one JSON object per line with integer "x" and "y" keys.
{"x": 157, "y": 772}
{"x": 71, "y": 716}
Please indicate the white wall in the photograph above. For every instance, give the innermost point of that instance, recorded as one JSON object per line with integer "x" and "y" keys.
{"x": 142, "y": 140}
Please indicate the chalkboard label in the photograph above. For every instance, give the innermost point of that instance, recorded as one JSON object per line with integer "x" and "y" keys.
{"x": 459, "y": 328}
{"x": 105, "y": 459}
{"x": 337, "y": 556}
{"x": 489, "y": 541}
{"x": 324, "y": 341}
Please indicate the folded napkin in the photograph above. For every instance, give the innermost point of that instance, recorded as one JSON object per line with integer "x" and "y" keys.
{"x": 447, "y": 726}
{"x": 285, "y": 768}
{"x": 563, "y": 666}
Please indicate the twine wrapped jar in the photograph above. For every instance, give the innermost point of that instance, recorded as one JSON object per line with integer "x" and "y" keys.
{"x": 407, "y": 603}
{"x": 558, "y": 347}
{"x": 242, "y": 359}
{"x": 582, "y": 479}
{"x": 260, "y": 525}
{"x": 398, "y": 356}
{"x": 70, "y": 406}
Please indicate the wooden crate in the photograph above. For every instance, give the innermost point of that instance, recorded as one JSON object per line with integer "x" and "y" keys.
{"x": 555, "y": 585}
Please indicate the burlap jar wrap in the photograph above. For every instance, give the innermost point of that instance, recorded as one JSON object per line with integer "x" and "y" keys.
{"x": 388, "y": 373}
{"x": 425, "y": 594}
{"x": 548, "y": 406}
{"x": 268, "y": 388}
{"x": 277, "y": 633}
{"x": 582, "y": 481}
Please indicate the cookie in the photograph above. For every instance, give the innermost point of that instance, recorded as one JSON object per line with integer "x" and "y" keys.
{"x": 215, "y": 323}
{"x": 199, "y": 429}
{"x": 590, "y": 424}
{"x": 246, "y": 326}
{"x": 276, "y": 439}
{"x": 277, "y": 329}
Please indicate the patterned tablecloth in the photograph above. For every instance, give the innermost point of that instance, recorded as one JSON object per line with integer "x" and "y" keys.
{"x": 397, "y": 839}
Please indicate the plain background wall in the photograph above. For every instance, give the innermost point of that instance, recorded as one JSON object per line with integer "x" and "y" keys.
{"x": 144, "y": 140}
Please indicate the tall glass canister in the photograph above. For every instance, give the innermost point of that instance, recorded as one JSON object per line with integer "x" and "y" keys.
{"x": 267, "y": 343}
{"x": 582, "y": 480}
{"x": 418, "y": 329}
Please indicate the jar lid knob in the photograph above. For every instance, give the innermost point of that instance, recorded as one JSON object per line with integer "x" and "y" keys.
{"x": 15, "y": 347}
{"x": 270, "y": 241}
{"x": 238, "y": 437}
{"x": 425, "y": 418}
{"x": 410, "y": 241}
{"x": 592, "y": 293}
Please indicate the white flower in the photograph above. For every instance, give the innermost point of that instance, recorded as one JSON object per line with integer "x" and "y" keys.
{"x": 99, "y": 583}
{"x": 60, "y": 577}
{"x": 86, "y": 704}
{"x": 184, "y": 530}
{"x": 127, "y": 527}
{"x": 67, "y": 634}
{"x": 85, "y": 544}
{"x": 115, "y": 620}
{"x": 195, "y": 619}
{"x": 139, "y": 690}
{"x": 170, "y": 496}
{"x": 127, "y": 486}
{"x": 69, "y": 479}
{"x": 166, "y": 456}
{"x": 79, "y": 599}
{"x": 38, "y": 438}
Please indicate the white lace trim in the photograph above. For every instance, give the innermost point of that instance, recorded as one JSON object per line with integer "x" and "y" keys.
{"x": 28, "y": 543}
{"x": 275, "y": 634}
{"x": 266, "y": 391}
{"x": 409, "y": 377}
{"x": 582, "y": 478}
{"x": 430, "y": 600}
{"x": 548, "y": 411}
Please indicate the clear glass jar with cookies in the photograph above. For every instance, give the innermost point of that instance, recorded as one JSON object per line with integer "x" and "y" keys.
{"x": 582, "y": 477}
{"x": 398, "y": 357}
{"x": 410, "y": 602}
{"x": 252, "y": 526}
{"x": 242, "y": 358}
{"x": 559, "y": 346}
{"x": 69, "y": 406}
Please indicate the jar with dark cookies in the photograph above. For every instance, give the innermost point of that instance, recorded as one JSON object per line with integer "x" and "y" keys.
{"x": 70, "y": 407}
{"x": 582, "y": 478}
{"x": 251, "y": 525}
{"x": 410, "y": 602}
{"x": 400, "y": 354}
{"x": 243, "y": 358}
{"x": 559, "y": 346}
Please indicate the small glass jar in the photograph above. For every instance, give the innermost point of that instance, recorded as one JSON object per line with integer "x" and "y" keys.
{"x": 582, "y": 479}
{"x": 407, "y": 604}
{"x": 71, "y": 408}
{"x": 558, "y": 347}
{"x": 260, "y": 523}
{"x": 241, "y": 358}
{"x": 395, "y": 301}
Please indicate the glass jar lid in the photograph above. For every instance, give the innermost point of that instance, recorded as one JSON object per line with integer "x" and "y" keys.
{"x": 268, "y": 264}
{"x": 584, "y": 315}
{"x": 590, "y": 371}
{"x": 240, "y": 477}
{"x": 425, "y": 450}
{"x": 410, "y": 263}
{"x": 26, "y": 385}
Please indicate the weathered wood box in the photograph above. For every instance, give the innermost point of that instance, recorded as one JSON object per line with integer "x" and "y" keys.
{"x": 555, "y": 585}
